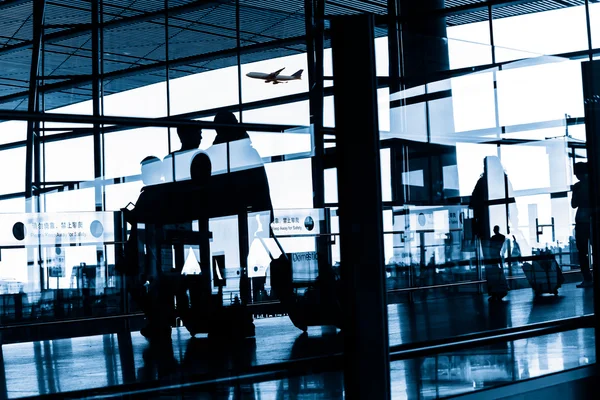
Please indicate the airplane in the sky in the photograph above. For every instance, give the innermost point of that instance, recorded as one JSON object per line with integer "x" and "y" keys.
{"x": 275, "y": 77}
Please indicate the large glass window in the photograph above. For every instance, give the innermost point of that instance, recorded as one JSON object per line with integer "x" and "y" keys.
{"x": 479, "y": 152}
{"x": 469, "y": 45}
{"x": 69, "y": 160}
{"x": 536, "y": 34}
{"x": 497, "y": 169}
{"x": 12, "y": 162}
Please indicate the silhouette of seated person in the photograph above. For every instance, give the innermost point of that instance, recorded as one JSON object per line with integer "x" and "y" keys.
{"x": 151, "y": 168}
{"x": 165, "y": 203}
{"x": 177, "y": 163}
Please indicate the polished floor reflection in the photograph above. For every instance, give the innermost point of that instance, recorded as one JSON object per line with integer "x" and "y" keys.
{"x": 77, "y": 364}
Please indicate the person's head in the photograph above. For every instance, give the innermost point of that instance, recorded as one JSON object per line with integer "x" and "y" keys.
{"x": 581, "y": 170}
{"x": 200, "y": 168}
{"x": 227, "y": 134}
{"x": 492, "y": 165}
{"x": 496, "y": 229}
{"x": 151, "y": 170}
{"x": 190, "y": 137}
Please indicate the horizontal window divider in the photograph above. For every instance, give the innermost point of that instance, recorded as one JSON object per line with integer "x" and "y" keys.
{"x": 139, "y": 122}
{"x": 71, "y": 321}
{"x": 13, "y": 145}
{"x": 490, "y": 337}
{"x": 11, "y": 196}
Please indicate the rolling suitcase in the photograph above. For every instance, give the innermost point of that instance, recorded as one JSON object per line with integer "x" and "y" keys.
{"x": 496, "y": 282}
{"x": 544, "y": 276}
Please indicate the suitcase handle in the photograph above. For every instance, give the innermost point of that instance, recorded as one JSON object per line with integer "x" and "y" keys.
{"x": 262, "y": 241}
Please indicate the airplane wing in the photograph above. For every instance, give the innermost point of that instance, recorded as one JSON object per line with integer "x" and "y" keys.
{"x": 273, "y": 75}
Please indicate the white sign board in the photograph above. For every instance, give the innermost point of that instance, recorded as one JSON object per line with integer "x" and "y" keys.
{"x": 305, "y": 266}
{"x": 295, "y": 222}
{"x": 56, "y": 228}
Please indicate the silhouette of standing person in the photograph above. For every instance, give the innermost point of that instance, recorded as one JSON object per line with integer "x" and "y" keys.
{"x": 492, "y": 200}
{"x": 496, "y": 242}
{"x": 493, "y": 192}
{"x": 581, "y": 201}
{"x": 243, "y": 189}
{"x": 127, "y": 263}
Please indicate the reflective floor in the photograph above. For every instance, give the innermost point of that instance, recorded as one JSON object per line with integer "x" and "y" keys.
{"x": 58, "y": 366}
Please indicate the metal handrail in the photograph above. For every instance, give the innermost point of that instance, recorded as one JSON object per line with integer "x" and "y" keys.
{"x": 464, "y": 283}
{"x": 72, "y": 320}
{"x": 470, "y": 340}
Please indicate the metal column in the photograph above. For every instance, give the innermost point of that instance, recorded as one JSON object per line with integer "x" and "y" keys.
{"x": 314, "y": 11}
{"x": 32, "y": 159}
{"x": 591, "y": 96}
{"x": 366, "y": 353}
{"x": 393, "y": 46}
{"x": 96, "y": 99}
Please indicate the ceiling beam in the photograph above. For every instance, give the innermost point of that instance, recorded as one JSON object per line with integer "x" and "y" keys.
{"x": 145, "y": 69}
{"x": 86, "y": 28}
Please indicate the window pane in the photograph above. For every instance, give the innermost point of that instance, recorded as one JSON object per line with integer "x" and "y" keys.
{"x": 12, "y": 165}
{"x": 126, "y": 149}
{"x": 536, "y": 34}
{"x": 69, "y": 160}
{"x": 469, "y": 45}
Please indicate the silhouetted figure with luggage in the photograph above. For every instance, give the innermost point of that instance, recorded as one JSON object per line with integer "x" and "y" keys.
{"x": 581, "y": 201}
{"x": 163, "y": 208}
{"x": 492, "y": 190}
{"x": 494, "y": 269}
{"x": 242, "y": 189}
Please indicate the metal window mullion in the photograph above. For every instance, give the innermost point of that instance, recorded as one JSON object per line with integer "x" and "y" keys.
{"x": 167, "y": 72}
{"x": 238, "y": 53}
{"x": 33, "y": 101}
{"x": 491, "y": 25}
{"x": 588, "y": 29}
{"x": 97, "y": 136}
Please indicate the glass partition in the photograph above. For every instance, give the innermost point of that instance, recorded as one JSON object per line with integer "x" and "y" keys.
{"x": 484, "y": 187}
{"x": 55, "y": 266}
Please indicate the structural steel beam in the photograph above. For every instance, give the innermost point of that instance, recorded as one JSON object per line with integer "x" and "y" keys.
{"x": 32, "y": 158}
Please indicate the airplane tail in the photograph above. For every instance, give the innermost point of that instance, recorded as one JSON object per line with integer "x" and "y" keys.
{"x": 298, "y": 74}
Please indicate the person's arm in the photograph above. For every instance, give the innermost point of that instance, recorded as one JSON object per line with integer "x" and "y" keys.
{"x": 575, "y": 200}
